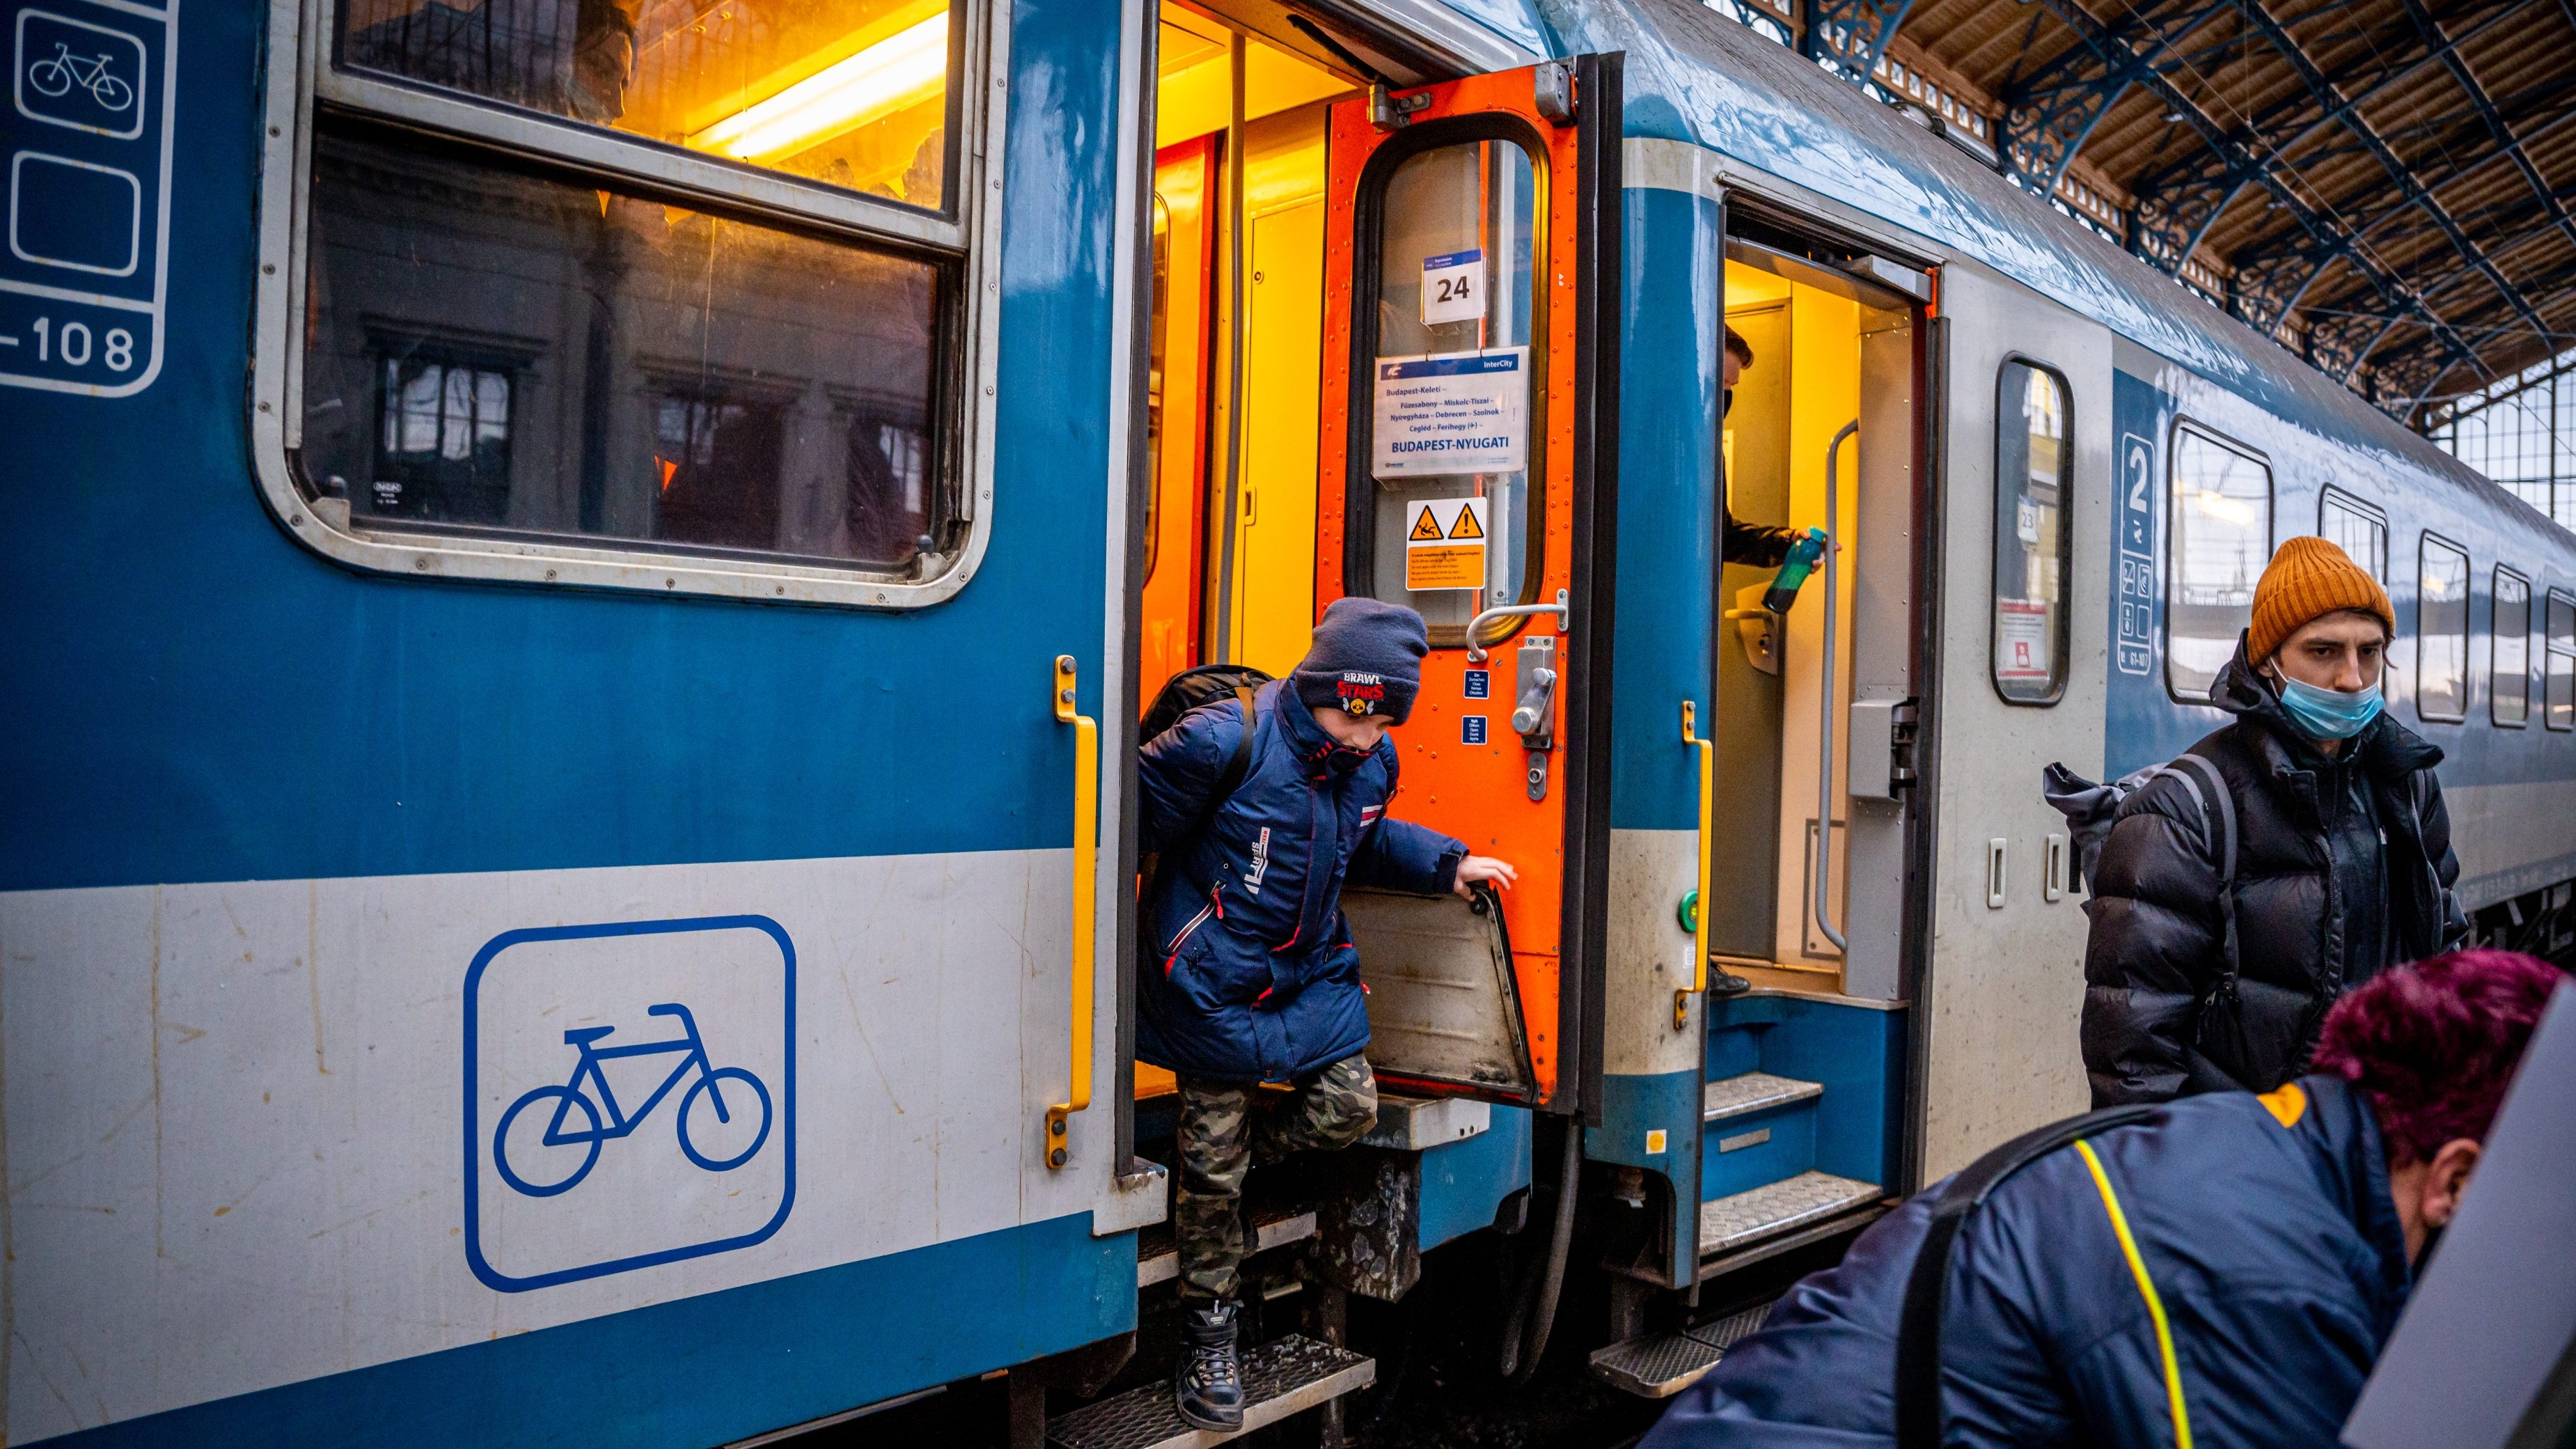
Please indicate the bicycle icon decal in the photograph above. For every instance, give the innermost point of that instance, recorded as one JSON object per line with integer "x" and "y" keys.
{"x": 583, "y": 1046}
{"x": 57, "y": 75}
{"x": 587, "y": 1139}
{"x": 75, "y": 73}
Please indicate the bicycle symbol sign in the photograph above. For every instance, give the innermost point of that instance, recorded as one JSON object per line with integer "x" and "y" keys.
{"x": 73, "y": 73}
{"x": 556, "y": 1105}
{"x": 583, "y": 1046}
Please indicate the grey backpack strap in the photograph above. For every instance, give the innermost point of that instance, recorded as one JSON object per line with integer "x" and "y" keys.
{"x": 2218, "y": 800}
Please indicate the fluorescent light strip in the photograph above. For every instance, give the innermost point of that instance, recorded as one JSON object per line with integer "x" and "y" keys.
{"x": 905, "y": 67}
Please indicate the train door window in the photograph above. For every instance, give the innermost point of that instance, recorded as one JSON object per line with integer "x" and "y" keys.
{"x": 2509, "y": 650}
{"x": 1457, "y": 241}
{"x": 2442, "y": 633}
{"x": 579, "y": 287}
{"x": 2560, "y": 713}
{"x": 2360, "y": 530}
{"x": 2222, "y": 532}
{"x": 2032, "y": 455}
{"x": 849, "y": 94}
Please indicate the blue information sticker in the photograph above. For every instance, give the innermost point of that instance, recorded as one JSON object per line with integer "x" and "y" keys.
{"x": 1480, "y": 684}
{"x": 2135, "y": 607}
{"x": 82, "y": 280}
{"x": 1471, "y": 729}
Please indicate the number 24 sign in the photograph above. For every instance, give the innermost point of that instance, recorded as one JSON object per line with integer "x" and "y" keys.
{"x": 1453, "y": 287}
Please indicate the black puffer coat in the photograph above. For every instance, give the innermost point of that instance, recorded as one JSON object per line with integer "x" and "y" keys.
{"x": 2343, "y": 866}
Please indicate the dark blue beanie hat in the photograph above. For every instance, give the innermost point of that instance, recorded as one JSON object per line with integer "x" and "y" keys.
{"x": 1366, "y": 660}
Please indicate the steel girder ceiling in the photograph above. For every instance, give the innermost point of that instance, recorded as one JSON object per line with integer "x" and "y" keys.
{"x": 2383, "y": 185}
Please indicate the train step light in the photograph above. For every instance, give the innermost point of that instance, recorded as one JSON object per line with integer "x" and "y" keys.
{"x": 1282, "y": 1377}
{"x": 1662, "y": 1363}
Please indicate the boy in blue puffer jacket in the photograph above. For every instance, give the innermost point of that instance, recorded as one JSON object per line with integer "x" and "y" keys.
{"x": 1253, "y": 977}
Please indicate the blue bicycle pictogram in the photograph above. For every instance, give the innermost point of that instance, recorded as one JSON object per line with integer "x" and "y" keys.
{"x": 572, "y": 1099}
{"x": 56, "y": 74}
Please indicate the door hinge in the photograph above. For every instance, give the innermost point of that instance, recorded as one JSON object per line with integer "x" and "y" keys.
{"x": 1555, "y": 98}
{"x": 1391, "y": 112}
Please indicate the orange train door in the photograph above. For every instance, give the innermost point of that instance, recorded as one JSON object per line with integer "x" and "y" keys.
{"x": 1468, "y": 470}
{"x": 1176, "y": 412}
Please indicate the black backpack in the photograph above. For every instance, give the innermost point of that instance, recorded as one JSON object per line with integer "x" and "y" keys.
{"x": 1180, "y": 694}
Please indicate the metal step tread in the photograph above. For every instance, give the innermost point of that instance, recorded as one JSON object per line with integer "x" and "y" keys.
{"x": 1158, "y": 1260}
{"x": 1282, "y": 1377}
{"x": 1776, "y": 1207}
{"x": 1660, "y": 1365}
{"x": 1752, "y": 1092}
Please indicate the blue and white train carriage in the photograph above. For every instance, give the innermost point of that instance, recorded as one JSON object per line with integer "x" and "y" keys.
{"x": 560, "y": 882}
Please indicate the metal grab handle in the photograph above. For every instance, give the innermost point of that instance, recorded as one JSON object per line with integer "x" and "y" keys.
{"x": 1707, "y": 845}
{"x": 1564, "y": 620}
{"x": 1825, "y": 694}
{"x": 1086, "y": 902}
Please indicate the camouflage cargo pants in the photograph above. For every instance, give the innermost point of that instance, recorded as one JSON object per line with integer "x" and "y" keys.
{"x": 1223, "y": 1132}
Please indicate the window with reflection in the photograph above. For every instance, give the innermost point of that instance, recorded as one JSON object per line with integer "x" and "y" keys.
{"x": 2560, "y": 711}
{"x": 2360, "y": 530}
{"x": 1158, "y": 333}
{"x": 497, "y": 349}
{"x": 2032, "y": 455}
{"x": 850, "y": 93}
{"x": 2222, "y": 538}
{"x": 2509, "y": 650}
{"x": 2442, "y": 633}
{"x": 1457, "y": 385}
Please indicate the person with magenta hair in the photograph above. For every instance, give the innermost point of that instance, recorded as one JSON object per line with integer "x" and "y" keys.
{"x": 2203, "y": 975}
{"x": 2222, "y": 1269}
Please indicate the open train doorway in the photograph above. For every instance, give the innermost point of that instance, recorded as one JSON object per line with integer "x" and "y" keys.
{"x": 1817, "y": 688}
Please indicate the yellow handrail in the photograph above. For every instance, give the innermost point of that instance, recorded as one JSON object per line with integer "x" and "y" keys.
{"x": 1707, "y": 842}
{"x": 1086, "y": 901}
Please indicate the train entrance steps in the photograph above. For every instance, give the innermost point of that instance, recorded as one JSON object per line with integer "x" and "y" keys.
{"x": 1660, "y": 1365}
{"x": 1282, "y": 1377}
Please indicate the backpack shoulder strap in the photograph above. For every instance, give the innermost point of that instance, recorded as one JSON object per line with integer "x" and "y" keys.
{"x": 2195, "y": 771}
{"x": 1927, "y": 1286}
{"x": 1240, "y": 764}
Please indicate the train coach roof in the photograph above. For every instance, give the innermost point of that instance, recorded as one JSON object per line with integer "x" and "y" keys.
{"x": 1694, "y": 75}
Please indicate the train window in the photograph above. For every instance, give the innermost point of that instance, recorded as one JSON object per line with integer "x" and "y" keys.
{"x": 2442, "y": 633}
{"x": 2509, "y": 650}
{"x": 679, "y": 377}
{"x": 2360, "y": 530}
{"x": 626, "y": 294}
{"x": 1457, "y": 263}
{"x": 2222, "y": 538}
{"x": 2032, "y": 442}
{"x": 2560, "y": 710}
{"x": 1157, "y": 342}
{"x": 849, "y": 93}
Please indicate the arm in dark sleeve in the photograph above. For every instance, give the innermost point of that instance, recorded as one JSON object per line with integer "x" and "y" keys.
{"x": 1399, "y": 855}
{"x": 2153, "y": 951}
{"x": 1758, "y": 544}
{"x": 1177, "y": 773}
{"x": 2436, "y": 826}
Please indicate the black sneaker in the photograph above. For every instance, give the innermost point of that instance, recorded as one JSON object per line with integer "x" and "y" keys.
{"x": 1207, "y": 1387}
{"x": 1722, "y": 982}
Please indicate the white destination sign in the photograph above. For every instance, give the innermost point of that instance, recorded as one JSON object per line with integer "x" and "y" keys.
{"x": 1459, "y": 412}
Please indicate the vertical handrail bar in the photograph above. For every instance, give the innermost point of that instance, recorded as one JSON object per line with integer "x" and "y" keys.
{"x": 1086, "y": 904}
{"x": 1825, "y": 693}
{"x": 1707, "y": 752}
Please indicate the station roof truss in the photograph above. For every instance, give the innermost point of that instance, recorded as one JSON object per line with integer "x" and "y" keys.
{"x": 2383, "y": 186}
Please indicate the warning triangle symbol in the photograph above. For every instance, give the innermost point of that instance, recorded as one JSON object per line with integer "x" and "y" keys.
{"x": 1466, "y": 527}
{"x": 1424, "y": 525}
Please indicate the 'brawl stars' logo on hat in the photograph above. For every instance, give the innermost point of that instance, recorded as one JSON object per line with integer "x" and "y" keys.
{"x": 1360, "y": 693}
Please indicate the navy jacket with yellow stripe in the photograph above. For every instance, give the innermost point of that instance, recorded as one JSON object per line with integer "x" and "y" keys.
{"x": 2264, "y": 1224}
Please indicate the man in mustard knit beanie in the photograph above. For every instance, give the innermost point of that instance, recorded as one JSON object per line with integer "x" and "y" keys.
{"x": 2198, "y": 979}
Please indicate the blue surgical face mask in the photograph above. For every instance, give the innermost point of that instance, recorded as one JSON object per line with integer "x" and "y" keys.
{"x": 2330, "y": 714}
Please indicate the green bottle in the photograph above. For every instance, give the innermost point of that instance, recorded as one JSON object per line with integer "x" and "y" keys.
{"x": 1794, "y": 570}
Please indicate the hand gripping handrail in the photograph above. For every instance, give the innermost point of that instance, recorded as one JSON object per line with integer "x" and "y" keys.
{"x": 1707, "y": 751}
{"x": 1086, "y": 903}
{"x": 1825, "y": 694}
{"x": 1476, "y": 652}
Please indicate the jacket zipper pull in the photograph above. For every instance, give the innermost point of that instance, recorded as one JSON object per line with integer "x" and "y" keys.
{"x": 1216, "y": 893}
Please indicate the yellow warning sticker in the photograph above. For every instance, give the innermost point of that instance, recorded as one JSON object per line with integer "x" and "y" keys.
{"x": 1444, "y": 546}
